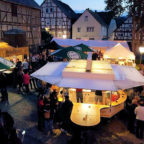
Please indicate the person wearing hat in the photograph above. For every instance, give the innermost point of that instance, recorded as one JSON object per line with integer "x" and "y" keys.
{"x": 139, "y": 111}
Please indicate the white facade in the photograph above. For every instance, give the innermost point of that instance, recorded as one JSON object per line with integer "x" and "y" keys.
{"x": 54, "y": 20}
{"x": 112, "y": 27}
{"x": 88, "y": 28}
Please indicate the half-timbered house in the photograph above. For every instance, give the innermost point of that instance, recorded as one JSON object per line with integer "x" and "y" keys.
{"x": 20, "y": 23}
{"x": 123, "y": 31}
{"x": 57, "y": 18}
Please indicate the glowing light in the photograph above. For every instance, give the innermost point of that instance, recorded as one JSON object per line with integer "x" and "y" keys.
{"x": 141, "y": 49}
{"x": 86, "y": 90}
{"x": 64, "y": 36}
{"x": 47, "y": 29}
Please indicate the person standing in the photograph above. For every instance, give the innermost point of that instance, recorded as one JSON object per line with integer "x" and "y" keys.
{"x": 79, "y": 95}
{"x": 131, "y": 115}
{"x": 40, "y": 108}
{"x": 25, "y": 65}
{"x": 66, "y": 113}
{"x": 47, "y": 112}
{"x": 20, "y": 80}
{"x": 139, "y": 111}
{"x": 26, "y": 80}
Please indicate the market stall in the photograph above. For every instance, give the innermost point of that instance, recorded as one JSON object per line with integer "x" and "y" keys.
{"x": 11, "y": 53}
{"x": 119, "y": 55}
{"x": 102, "y": 87}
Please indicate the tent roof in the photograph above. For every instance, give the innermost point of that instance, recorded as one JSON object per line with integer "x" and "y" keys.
{"x": 124, "y": 77}
{"x": 90, "y": 43}
{"x": 4, "y": 45}
{"x": 83, "y": 47}
{"x": 119, "y": 51}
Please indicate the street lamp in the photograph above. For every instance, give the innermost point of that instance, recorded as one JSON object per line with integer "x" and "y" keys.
{"x": 141, "y": 50}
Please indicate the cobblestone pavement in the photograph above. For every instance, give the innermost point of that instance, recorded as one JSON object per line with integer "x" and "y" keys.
{"x": 24, "y": 111}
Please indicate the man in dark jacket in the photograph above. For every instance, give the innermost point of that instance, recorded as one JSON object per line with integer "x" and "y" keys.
{"x": 66, "y": 113}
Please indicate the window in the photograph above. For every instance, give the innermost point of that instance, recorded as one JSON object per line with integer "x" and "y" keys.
{"x": 90, "y": 29}
{"x": 47, "y": 10}
{"x": 60, "y": 22}
{"x": 86, "y": 18}
{"x": 14, "y": 10}
{"x": 53, "y": 22}
{"x": 78, "y": 29}
{"x": 48, "y": 22}
{"x": 51, "y": 10}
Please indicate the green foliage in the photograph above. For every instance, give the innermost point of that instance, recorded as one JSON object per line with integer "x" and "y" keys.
{"x": 118, "y": 6}
{"x": 46, "y": 37}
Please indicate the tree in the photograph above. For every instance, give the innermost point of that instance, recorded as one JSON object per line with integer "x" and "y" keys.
{"x": 46, "y": 37}
{"x": 135, "y": 8}
{"x": 116, "y": 6}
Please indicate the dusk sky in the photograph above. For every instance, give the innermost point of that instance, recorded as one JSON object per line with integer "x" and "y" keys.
{"x": 82, "y": 4}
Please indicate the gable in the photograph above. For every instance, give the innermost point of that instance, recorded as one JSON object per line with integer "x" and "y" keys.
{"x": 128, "y": 20}
{"x": 91, "y": 19}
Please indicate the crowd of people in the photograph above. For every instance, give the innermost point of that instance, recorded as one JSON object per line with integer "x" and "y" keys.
{"x": 8, "y": 133}
{"x": 48, "y": 108}
{"x": 135, "y": 111}
{"x": 51, "y": 110}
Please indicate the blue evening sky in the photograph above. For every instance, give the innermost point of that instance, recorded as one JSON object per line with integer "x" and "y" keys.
{"x": 79, "y": 5}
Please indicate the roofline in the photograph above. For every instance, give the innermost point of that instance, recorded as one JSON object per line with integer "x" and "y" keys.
{"x": 78, "y": 17}
{"x": 122, "y": 23}
{"x": 21, "y": 5}
{"x": 91, "y": 15}
{"x": 42, "y": 3}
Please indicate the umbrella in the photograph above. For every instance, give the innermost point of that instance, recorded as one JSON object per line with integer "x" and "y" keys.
{"x": 83, "y": 48}
{"x": 5, "y": 64}
{"x": 53, "y": 45}
{"x": 69, "y": 53}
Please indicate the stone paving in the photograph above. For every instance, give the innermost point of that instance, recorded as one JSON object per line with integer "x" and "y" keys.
{"x": 24, "y": 111}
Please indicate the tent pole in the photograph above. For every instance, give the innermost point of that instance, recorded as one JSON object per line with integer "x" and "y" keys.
{"x": 110, "y": 101}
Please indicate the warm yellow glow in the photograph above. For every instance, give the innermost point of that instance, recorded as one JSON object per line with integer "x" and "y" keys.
{"x": 101, "y": 67}
{"x": 47, "y": 29}
{"x": 5, "y": 45}
{"x": 64, "y": 36}
{"x": 72, "y": 89}
{"x": 86, "y": 90}
{"x": 76, "y": 66}
{"x": 141, "y": 49}
{"x": 106, "y": 57}
{"x": 85, "y": 107}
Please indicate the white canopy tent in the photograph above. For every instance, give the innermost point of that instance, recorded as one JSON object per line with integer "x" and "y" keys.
{"x": 119, "y": 52}
{"x": 94, "y": 44}
{"x": 124, "y": 77}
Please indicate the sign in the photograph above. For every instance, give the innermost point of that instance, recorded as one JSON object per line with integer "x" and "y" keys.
{"x": 73, "y": 55}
